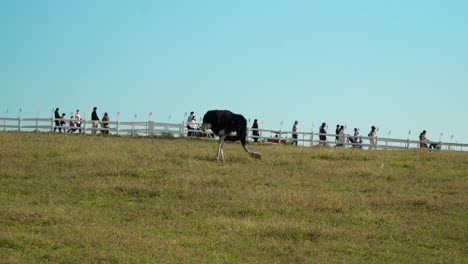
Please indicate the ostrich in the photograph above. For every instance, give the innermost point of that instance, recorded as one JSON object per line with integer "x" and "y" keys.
{"x": 228, "y": 126}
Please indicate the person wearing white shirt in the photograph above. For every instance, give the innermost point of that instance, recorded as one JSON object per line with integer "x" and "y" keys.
{"x": 78, "y": 120}
{"x": 189, "y": 124}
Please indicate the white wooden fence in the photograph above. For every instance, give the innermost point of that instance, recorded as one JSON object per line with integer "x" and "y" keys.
{"x": 267, "y": 136}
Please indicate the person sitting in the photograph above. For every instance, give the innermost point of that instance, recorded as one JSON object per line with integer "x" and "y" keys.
{"x": 72, "y": 125}
{"x": 356, "y": 139}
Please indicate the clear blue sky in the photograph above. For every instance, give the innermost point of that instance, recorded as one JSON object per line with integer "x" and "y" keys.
{"x": 398, "y": 65}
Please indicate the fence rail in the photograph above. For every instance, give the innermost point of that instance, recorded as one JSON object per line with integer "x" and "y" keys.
{"x": 267, "y": 136}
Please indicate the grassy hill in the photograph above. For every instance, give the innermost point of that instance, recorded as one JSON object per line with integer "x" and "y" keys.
{"x": 76, "y": 199}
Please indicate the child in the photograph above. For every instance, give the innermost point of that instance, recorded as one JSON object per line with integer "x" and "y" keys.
{"x": 72, "y": 126}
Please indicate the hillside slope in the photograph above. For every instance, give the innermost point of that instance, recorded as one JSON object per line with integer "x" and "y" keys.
{"x": 71, "y": 198}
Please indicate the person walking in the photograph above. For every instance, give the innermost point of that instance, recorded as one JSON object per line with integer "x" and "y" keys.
{"x": 63, "y": 122}
{"x": 255, "y": 132}
{"x": 95, "y": 120}
{"x": 57, "y": 118}
{"x": 294, "y": 133}
{"x": 337, "y": 132}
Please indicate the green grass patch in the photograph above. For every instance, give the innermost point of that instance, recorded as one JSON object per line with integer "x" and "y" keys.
{"x": 81, "y": 199}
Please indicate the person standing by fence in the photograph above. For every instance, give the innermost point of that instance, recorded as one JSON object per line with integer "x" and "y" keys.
{"x": 57, "y": 120}
{"x": 78, "y": 120}
{"x": 371, "y": 136}
{"x": 337, "y": 132}
{"x": 294, "y": 133}
{"x": 341, "y": 137}
{"x": 189, "y": 124}
{"x": 323, "y": 137}
{"x": 63, "y": 122}
{"x": 105, "y": 123}
{"x": 255, "y": 132}
{"x": 423, "y": 140}
{"x": 95, "y": 119}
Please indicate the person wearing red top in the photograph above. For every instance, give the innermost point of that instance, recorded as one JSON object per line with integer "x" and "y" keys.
{"x": 72, "y": 125}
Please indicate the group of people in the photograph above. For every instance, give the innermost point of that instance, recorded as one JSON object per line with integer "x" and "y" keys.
{"x": 355, "y": 139}
{"x": 340, "y": 138}
{"x": 75, "y": 122}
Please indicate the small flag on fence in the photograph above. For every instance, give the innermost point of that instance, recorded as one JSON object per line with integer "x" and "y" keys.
{"x": 169, "y": 117}
{"x": 20, "y": 110}
{"x": 409, "y": 132}
{"x": 135, "y": 116}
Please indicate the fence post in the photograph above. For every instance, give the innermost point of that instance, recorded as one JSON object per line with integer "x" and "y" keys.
{"x": 52, "y": 125}
{"x": 311, "y": 139}
{"x": 84, "y": 126}
{"x": 19, "y": 124}
{"x": 150, "y": 128}
{"x": 37, "y": 125}
{"x": 376, "y": 142}
{"x": 407, "y": 144}
{"x": 117, "y": 128}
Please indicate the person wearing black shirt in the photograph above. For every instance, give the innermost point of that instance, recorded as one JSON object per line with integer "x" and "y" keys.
{"x": 95, "y": 119}
{"x": 323, "y": 137}
{"x": 255, "y": 132}
{"x": 57, "y": 120}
